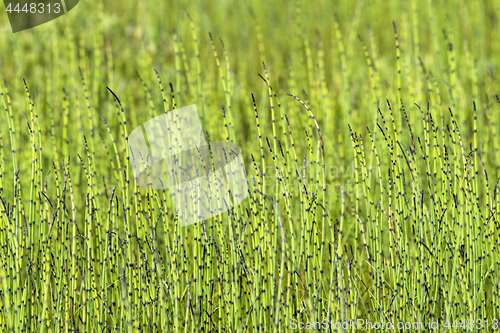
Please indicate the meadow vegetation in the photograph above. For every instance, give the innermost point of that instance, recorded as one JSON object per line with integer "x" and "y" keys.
{"x": 369, "y": 132}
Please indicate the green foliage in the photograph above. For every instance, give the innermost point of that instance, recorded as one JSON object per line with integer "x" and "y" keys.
{"x": 373, "y": 194}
